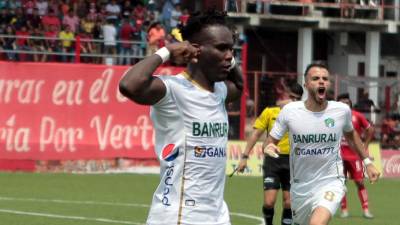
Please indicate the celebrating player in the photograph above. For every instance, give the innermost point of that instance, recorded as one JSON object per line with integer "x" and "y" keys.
{"x": 315, "y": 129}
{"x": 190, "y": 121}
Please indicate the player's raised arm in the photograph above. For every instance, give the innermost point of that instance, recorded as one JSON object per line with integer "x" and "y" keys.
{"x": 234, "y": 84}
{"x": 139, "y": 84}
{"x": 355, "y": 142}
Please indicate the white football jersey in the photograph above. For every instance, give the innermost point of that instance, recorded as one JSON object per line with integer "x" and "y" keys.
{"x": 315, "y": 142}
{"x": 191, "y": 127}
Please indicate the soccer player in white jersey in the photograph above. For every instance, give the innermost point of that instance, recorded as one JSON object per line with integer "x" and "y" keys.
{"x": 190, "y": 121}
{"x": 315, "y": 129}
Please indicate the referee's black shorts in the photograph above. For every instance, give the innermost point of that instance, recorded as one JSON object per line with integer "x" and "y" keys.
{"x": 276, "y": 173}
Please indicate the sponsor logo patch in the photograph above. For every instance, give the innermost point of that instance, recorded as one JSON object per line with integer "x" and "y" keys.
{"x": 169, "y": 152}
{"x": 329, "y": 122}
{"x": 190, "y": 202}
{"x": 269, "y": 180}
{"x": 209, "y": 152}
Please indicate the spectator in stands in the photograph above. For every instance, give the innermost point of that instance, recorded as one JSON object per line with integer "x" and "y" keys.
{"x": 28, "y": 6}
{"x": 166, "y": 13}
{"x": 139, "y": 36}
{"x": 9, "y": 43}
{"x": 81, "y": 8}
{"x": 38, "y": 45}
{"x": 365, "y": 104}
{"x": 34, "y": 20}
{"x": 125, "y": 35}
{"x": 113, "y": 10}
{"x": 109, "y": 38}
{"x": 151, "y": 5}
{"x": 51, "y": 20}
{"x": 22, "y": 43}
{"x": 19, "y": 19}
{"x": 71, "y": 20}
{"x": 55, "y": 6}
{"x": 139, "y": 12}
{"x": 5, "y": 16}
{"x": 3, "y": 4}
{"x": 184, "y": 17}
{"x": 126, "y": 7}
{"x": 87, "y": 24}
{"x": 93, "y": 11}
{"x": 65, "y": 7}
{"x": 42, "y": 6}
{"x": 87, "y": 46}
{"x": 98, "y": 34}
{"x": 155, "y": 37}
{"x": 390, "y": 132}
{"x": 51, "y": 43}
{"x": 14, "y": 4}
{"x": 176, "y": 13}
{"x": 67, "y": 37}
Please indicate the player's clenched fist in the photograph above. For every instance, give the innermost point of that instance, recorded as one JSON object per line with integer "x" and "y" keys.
{"x": 183, "y": 52}
{"x": 272, "y": 150}
{"x": 373, "y": 173}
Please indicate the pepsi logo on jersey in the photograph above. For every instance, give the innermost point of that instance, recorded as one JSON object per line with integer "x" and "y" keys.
{"x": 169, "y": 152}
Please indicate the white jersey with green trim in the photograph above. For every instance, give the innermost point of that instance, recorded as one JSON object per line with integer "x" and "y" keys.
{"x": 191, "y": 133}
{"x": 315, "y": 142}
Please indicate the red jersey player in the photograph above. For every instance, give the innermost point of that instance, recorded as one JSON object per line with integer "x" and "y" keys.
{"x": 351, "y": 162}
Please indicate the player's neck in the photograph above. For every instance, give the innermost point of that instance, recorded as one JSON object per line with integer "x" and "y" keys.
{"x": 315, "y": 106}
{"x": 197, "y": 77}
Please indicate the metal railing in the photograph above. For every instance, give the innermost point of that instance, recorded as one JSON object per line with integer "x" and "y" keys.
{"x": 56, "y": 48}
{"x": 383, "y": 9}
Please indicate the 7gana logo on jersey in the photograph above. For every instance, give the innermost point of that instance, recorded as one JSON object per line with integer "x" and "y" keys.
{"x": 329, "y": 122}
{"x": 209, "y": 151}
{"x": 169, "y": 152}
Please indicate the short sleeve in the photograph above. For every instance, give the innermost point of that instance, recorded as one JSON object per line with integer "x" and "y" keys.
{"x": 348, "y": 124}
{"x": 261, "y": 122}
{"x": 165, "y": 80}
{"x": 364, "y": 122}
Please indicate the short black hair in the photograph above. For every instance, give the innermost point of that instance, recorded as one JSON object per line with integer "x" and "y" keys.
{"x": 199, "y": 21}
{"x": 296, "y": 88}
{"x": 343, "y": 96}
{"x": 320, "y": 64}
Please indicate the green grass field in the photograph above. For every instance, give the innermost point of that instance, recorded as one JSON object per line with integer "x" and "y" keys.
{"x": 61, "y": 199}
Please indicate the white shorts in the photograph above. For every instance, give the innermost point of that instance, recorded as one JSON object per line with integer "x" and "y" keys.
{"x": 328, "y": 196}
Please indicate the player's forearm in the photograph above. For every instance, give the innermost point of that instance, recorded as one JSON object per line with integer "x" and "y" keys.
{"x": 139, "y": 76}
{"x": 252, "y": 141}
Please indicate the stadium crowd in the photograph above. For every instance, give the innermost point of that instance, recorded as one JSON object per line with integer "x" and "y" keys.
{"x": 124, "y": 27}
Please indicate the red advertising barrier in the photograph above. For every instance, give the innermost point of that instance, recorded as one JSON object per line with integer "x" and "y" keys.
{"x": 70, "y": 111}
{"x": 391, "y": 163}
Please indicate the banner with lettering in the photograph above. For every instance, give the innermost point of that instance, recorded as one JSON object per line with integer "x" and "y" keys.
{"x": 391, "y": 163}
{"x": 254, "y": 163}
{"x": 70, "y": 111}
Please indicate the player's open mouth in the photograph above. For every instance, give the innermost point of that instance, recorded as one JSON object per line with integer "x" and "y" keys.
{"x": 321, "y": 91}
